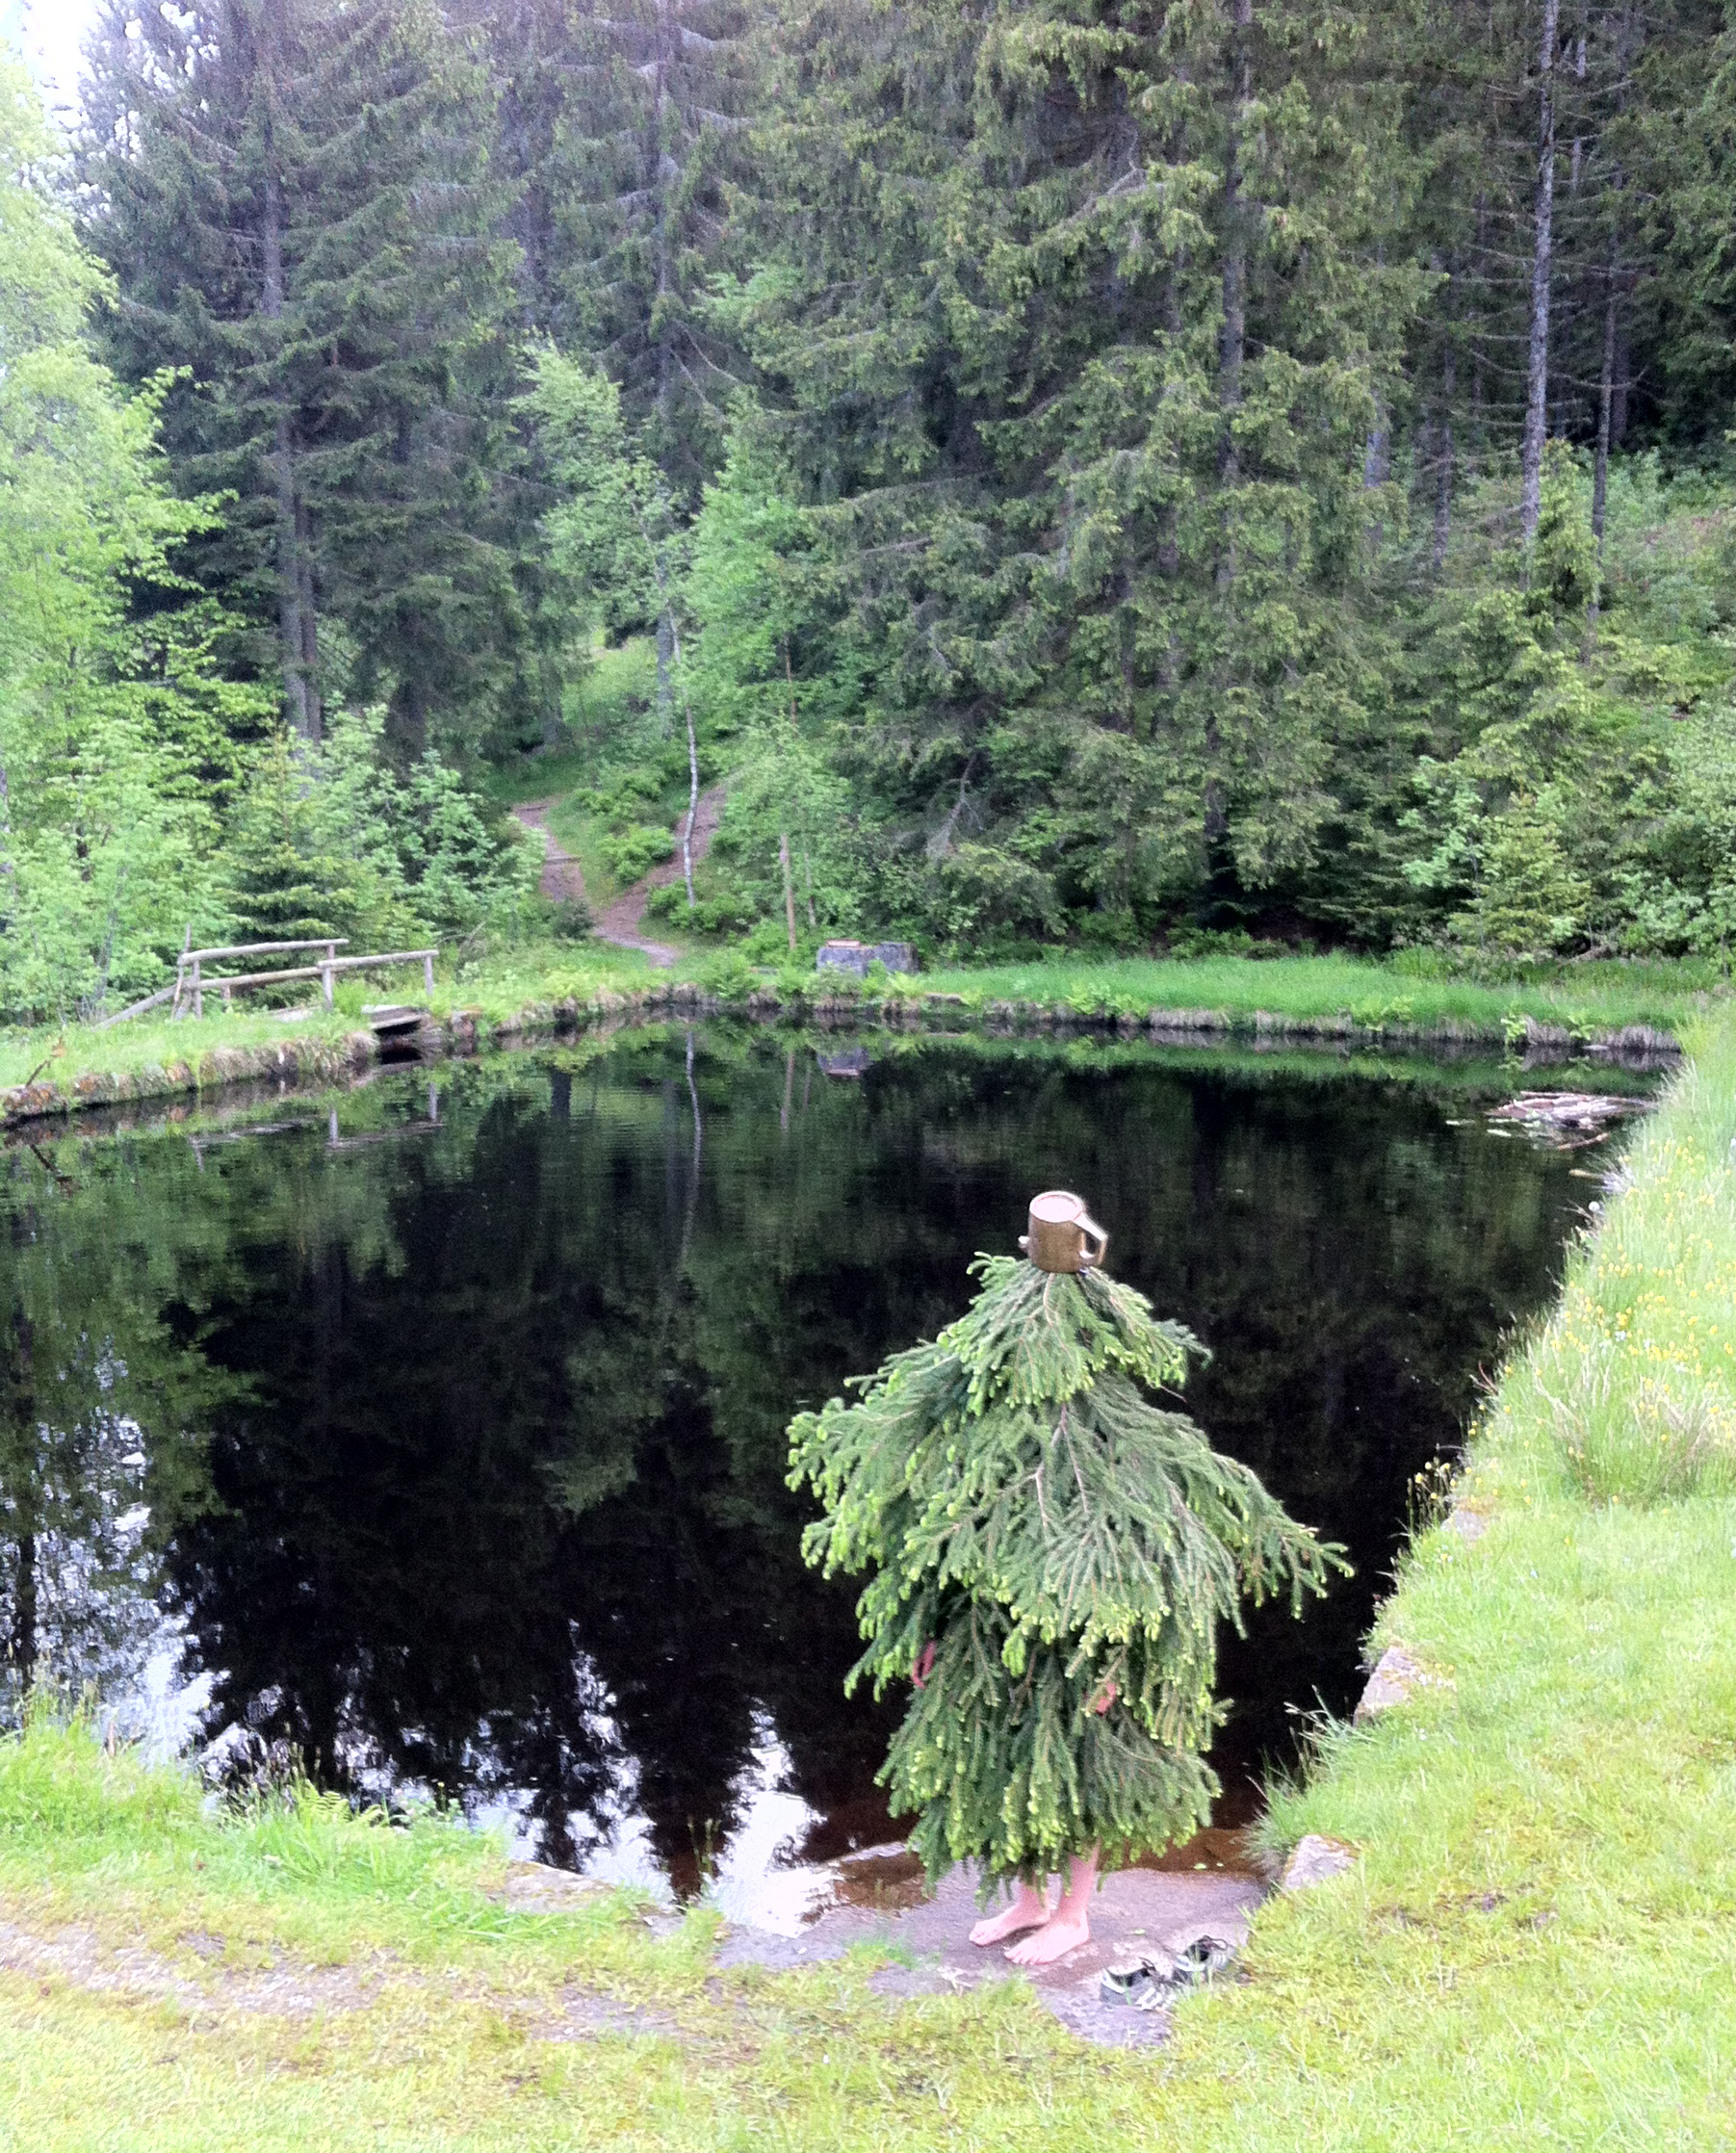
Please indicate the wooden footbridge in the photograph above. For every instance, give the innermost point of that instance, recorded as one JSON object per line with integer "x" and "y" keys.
{"x": 193, "y": 982}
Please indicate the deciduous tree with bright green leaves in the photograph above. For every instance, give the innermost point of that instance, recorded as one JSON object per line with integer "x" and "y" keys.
{"x": 116, "y": 735}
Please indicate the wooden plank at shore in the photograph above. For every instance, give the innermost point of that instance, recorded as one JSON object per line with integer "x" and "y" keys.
{"x": 137, "y": 1009}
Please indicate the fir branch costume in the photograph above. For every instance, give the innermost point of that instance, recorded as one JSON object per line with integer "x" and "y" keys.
{"x": 1052, "y": 1554}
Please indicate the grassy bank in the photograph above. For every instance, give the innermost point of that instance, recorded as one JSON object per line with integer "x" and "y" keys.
{"x": 81, "y": 1065}
{"x": 1537, "y": 1946}
{"x": 549, "y": 985}
{"x": 1585, "y": 999}
{"x": 1538, "y": 1939}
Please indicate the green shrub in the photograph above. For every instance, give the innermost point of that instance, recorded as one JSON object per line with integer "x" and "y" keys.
{"x": 724, "y": 913}
{"x": 633, "y": 852}
{"x": 731, "y": 976}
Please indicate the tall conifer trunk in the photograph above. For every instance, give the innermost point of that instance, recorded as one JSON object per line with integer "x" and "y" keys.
{"x": 1441, "y": 534}
{"x": 784, "y": 835}
{"x": 307, "y": 613}
{"x": 296, "y": 617}
{"x": 1612, "y": 319}
{"x": 293, "y": 579}
{"x": 1233, "y": 345}
{"x": 1232, "y": 352}
{"x": 1475, "y": 446}
{"x": 1543, "y": 255}
{"x": 1606, "y": 382}
{"x": 1623, "y": 378}
{"x": 668, "y": 36}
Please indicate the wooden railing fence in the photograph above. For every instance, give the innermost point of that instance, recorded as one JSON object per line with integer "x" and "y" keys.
{"x": 191, "y": 983}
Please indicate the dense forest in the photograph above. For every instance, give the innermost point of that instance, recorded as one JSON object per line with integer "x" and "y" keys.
{"x": 1077, "y": 473}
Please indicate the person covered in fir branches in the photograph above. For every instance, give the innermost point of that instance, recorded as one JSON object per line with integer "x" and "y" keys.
{"x": 1051, "y": 1552}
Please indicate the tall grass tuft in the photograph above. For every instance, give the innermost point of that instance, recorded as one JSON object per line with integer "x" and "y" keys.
{"x": 1629, "y": 1390}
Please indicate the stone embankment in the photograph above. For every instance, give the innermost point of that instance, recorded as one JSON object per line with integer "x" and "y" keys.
{"x": 468, "y": 1031}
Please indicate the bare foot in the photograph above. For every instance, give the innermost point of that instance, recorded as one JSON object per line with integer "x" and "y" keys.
{"x": 1054, "y": 1940}
{"x": 1070, "y": 1925}
{"x": 1028, "y": 1910}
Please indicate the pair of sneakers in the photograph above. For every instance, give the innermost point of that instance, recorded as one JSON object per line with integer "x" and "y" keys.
{"x": 1155, "y": 1978}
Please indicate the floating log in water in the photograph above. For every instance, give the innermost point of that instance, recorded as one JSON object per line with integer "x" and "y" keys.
{"x": 1557, "y": 1112}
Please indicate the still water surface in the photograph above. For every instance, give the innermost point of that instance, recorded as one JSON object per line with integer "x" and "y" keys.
{"x": 438, "y": 1435}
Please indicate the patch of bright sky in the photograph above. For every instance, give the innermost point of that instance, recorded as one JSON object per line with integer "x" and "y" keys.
{"x": 50, "y": 33}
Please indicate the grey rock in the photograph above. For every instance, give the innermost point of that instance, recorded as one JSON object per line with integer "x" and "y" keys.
{"x": 532, "y": 1888}
{"x": 1396, "y": 1673}
{"x": 1313, "y": 1859}
{"x": 1470, "y": 1526}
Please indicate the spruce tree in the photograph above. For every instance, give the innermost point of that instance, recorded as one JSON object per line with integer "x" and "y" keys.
{"x": 1091, "y": 350}
{"x": 621, "y": 127}
{"x": 1051, "y": 1554}
{"x": 286, "y": 888}
{"x": 654, "y": 116}
{"x": 295, "y": 200}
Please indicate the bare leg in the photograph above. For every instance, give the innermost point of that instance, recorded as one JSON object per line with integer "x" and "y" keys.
{"x": 1029, "y": 1909}
{"x": 1070, "y": 1925}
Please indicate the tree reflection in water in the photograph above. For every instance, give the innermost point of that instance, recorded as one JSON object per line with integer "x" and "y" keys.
{"x": 449, "y": 1434}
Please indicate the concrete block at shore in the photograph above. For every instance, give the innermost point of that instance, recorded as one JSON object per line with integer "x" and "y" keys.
{"x": 857, "y": 956}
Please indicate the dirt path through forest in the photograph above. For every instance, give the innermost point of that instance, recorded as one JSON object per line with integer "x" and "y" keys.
{"x": 620, "y": 923}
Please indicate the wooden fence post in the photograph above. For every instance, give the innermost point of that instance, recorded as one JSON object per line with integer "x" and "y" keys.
{"x": 427, "y": 972}
{"x": 199, "y": 992}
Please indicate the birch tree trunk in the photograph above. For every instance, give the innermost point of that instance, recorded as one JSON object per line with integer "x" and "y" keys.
{"x": 789, "y": 884}
{"x": 1537, "y": 368}
{"x": 666, "y": 686}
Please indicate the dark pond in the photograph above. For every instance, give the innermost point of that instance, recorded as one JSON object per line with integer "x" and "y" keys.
{"x": 438, "y": 1434}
